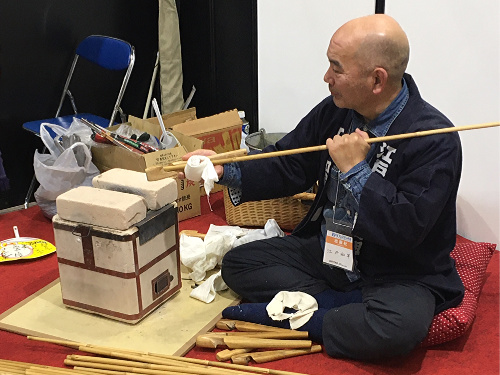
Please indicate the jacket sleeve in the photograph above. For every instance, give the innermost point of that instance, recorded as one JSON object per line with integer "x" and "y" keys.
{"x": 287, "y": 175}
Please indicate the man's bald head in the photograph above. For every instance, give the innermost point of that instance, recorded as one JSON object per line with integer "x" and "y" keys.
{"x": 376, "y": 41}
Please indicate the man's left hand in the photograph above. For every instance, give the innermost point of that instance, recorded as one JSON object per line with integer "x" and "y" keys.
{"x": 348, "y": 150}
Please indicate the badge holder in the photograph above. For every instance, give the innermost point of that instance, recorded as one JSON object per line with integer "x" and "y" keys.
{"x": 339, "y": 243}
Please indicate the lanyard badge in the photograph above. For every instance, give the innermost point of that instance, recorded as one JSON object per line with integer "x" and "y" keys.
{"x": 339, "y": 244}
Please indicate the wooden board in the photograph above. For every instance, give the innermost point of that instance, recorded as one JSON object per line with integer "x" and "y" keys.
{"x": 170, "y": 329}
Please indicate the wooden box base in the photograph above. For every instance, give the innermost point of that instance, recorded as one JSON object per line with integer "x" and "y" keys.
{"x": 123, "y": 275}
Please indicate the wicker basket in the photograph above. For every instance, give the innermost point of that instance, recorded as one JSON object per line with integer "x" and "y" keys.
{"x": 288, "y": 211}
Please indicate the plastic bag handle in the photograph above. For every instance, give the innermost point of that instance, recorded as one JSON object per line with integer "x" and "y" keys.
{"x": 88, "y": 155}
{"x": 47, "y": 140}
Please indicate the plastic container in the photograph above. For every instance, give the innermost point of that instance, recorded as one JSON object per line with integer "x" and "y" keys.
{"x": 261, "y": 139}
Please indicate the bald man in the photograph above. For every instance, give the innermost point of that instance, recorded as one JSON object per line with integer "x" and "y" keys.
{"x": 374, "y": 249}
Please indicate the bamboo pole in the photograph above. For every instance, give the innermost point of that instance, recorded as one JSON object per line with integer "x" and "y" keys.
{"x": 180, "y": 166}
{"x": 160, "y": 358}
{"x": 99, "y": 371}
{"x": 54, "y": 371}
{"x": 21, "y": 368}
{"x": 13, "y": 370}
{"x": 128, "y": 362}
{"x": 249, "y": 342}
{"x": 129, "y": 366}
{"x": 226, "y": 354}
{"x": 131, "y": 369}
{"x": 214, "y": 339}
{"x": 240, "y": 325}
{"x": 76, "y": 345}
{"x": 93, "y": 371}
{"x": 273, "y": 355}
{"x": 138, "y": 357}
{"x": 284, "y": 334}
{"x": 158, "y": 172}
{"x": 192, "y": 233}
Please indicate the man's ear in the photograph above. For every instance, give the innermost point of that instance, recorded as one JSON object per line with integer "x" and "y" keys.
{"x": 380, "y": 78}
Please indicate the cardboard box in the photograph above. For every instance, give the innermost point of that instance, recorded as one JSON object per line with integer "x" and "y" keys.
{"x": 152, "y": 125}
{"x": 106, "y": 157}
{"x": 221, "y": 132}
{"x": 123, "y": 275}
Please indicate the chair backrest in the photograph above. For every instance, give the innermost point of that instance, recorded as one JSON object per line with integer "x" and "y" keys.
{"x": 109, "y": 53}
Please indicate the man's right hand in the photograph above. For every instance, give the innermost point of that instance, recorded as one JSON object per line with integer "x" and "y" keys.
{"x": 218, "y": 168}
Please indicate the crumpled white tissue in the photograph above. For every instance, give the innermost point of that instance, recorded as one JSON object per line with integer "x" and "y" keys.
{"x": 199, "y": 167}
{"x": 271, "y": 229}
{"x": 304, "y": 303}
{"x": 207, "y": 290}
{"x": 201, "y": 256}
{"x": 192, "y": 253}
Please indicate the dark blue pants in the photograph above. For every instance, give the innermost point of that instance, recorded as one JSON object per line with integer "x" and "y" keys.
{"x": 391, "y": 320}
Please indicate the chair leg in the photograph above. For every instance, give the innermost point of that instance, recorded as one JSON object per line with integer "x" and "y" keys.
{"x": 32, "y": 185}
{"x": 30, "y": 192}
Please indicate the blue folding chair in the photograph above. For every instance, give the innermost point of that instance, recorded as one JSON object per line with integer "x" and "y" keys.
{"x": 106, "y": 52}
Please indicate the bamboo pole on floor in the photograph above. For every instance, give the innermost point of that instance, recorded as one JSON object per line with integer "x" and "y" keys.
{"x": 189, "y": 368}
{"x": 157, "y": 358}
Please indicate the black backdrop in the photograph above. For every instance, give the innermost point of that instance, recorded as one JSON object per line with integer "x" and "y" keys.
{"x": 38, "y": 38}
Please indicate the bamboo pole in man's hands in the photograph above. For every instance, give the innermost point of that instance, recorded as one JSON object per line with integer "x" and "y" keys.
{"x": 264, "y": 155}
{"x": 159, "y": 172}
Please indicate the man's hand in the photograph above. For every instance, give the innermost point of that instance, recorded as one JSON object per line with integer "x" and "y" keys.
{"x": 348, "y": 150}
{"x": 218, "y": 168}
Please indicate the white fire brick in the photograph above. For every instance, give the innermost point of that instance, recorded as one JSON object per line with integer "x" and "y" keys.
{"x": 105, "y": 208}
{"x": 156, "y": 193}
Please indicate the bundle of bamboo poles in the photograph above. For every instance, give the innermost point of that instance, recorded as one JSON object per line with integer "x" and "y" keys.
{"x": 249, "y": 341}
{"x": 114, "y": 361}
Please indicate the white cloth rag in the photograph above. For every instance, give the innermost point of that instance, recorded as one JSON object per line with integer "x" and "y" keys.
{"x": 199, "y": 167}
{"x": 304, "y": 303}
{"x": 201, "y": 256}
{"x": 207, "y": 290}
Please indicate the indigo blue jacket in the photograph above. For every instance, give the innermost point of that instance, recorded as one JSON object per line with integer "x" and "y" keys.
{"x": 407, "y": 208}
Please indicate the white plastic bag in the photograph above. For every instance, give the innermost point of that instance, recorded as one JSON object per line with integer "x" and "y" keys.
{"x": 60, "y": 171}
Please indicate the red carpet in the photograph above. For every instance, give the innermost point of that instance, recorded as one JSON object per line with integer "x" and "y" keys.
{"x": 475, "y": 353}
